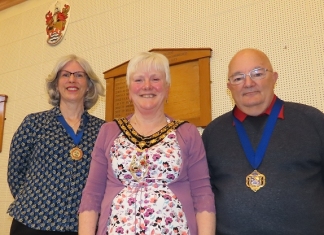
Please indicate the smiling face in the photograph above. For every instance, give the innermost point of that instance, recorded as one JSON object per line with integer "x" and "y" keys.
{"x": 148, "y": 90}
{"x": 72, "y": 88}
{"x": 252, "y": 96}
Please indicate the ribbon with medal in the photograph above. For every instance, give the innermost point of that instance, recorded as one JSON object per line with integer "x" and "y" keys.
{"x": 75, "y": 153}
{"x": 256, "y": 180}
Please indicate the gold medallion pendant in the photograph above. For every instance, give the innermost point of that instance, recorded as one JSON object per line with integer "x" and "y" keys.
{"x": 76, "y": 153}
{"x": 255, "y": 180}
{"x": 139, "y": 168}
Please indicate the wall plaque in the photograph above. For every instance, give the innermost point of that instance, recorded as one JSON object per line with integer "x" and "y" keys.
{"x": 189, "y": 97}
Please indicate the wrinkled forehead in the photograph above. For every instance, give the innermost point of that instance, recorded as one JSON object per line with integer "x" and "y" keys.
{"x": 247, "y": 60}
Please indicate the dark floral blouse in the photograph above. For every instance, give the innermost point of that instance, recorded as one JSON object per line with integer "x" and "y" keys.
{"x": 45, "y": 181}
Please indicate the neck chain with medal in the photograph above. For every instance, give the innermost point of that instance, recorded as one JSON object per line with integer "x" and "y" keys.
{"x": 256, "y": 180}
{"x": 75, "y": 153}
{"x": 139, "y": 166}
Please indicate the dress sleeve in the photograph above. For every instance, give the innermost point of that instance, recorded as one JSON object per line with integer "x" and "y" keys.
{"x": 198, "y": 173}
{"x": 95, "y": 187}
{"x": 21, "y": 149}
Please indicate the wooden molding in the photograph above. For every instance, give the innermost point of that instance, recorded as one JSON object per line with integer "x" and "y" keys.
{"x": 3, "y": 100}
{"x": 4, "y": 4}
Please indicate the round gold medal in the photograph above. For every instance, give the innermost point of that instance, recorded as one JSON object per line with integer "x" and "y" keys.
{"x": 76, "y": 153}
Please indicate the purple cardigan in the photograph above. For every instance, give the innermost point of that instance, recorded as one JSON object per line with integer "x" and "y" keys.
{"x": 102, "y": 186}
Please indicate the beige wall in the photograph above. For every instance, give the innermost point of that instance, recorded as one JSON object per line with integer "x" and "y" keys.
{"x": 109, "y": 32}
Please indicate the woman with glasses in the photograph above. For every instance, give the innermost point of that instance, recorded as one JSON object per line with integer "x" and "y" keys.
{"x": 50, "y": 153}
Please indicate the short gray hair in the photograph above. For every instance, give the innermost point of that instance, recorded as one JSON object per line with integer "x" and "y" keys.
{"x": 151, "y": 60}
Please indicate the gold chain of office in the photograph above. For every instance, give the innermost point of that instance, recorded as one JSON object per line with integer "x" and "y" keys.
{"x": 144, "y": 142}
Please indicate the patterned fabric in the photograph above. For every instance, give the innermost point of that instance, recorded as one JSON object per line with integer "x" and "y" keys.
{"x": 147, "y": 206}
{"x": 45, "y": 182}
{"x": 192, "y": 187}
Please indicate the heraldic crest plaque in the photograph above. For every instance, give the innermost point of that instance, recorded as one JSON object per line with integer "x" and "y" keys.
{"x": 56, "y": 22}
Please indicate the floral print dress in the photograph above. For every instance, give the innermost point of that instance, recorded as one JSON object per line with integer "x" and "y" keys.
{"x": 146, "y": 205}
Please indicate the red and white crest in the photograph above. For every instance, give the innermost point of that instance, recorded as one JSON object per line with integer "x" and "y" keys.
{"x": 57, "y": 19}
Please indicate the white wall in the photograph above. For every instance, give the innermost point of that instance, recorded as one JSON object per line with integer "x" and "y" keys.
{"x": 109, "y": 32}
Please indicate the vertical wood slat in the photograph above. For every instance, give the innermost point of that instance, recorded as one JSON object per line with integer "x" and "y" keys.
{"x": 3, "y": 100}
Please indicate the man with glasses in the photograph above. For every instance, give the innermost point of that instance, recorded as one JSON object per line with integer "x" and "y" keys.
{"x": 266, "y": 156}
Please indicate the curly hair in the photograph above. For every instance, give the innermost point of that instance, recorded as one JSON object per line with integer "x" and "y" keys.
{"x": 95, "y": 88}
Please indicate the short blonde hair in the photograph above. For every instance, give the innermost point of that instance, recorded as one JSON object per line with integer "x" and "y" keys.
{"x": 151, "y": 60}
{"x": 94, "y": 85}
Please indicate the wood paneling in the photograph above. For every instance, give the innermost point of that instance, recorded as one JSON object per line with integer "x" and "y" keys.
{"x": 4, "y": 4}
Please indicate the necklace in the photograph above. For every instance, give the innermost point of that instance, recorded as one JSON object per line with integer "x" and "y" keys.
{"x": 149, "y": 132}
{"x": 75, "y": 123}
{"x": 75, "y": 153}
{"x": 139, "y": 166}
{"x": 144, "y": 142}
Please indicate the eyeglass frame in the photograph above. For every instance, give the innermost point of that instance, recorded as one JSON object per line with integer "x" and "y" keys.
{"x": 70, "y": 73}
{"x": 248, "y": 74}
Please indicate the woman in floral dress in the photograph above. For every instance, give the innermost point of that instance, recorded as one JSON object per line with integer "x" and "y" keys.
{"x": 148, "y": 173}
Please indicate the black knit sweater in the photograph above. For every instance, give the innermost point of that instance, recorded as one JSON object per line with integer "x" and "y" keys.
{"x": 292, "y": 200}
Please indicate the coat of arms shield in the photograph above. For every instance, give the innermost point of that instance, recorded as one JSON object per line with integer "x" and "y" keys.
{"x": 57, "y": 19}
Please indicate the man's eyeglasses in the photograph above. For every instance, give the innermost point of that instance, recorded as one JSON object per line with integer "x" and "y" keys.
{"x": 78, "y": 74}
{"x": 255, "y": 74}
